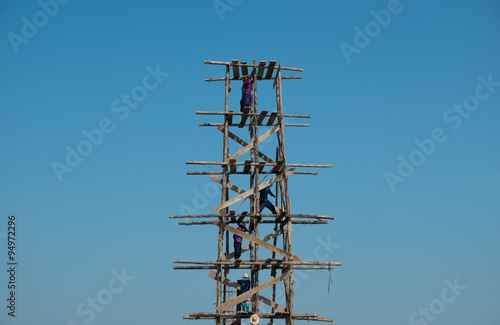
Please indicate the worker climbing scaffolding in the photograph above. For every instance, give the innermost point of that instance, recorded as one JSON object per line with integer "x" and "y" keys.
{"x": 246, "y": 91}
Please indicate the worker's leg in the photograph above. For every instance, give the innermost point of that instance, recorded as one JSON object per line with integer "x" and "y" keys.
{"x": 262, "y": 205}
{"x": 237, "y": 249}
{"x": 268, "y": 205}
{"x": 247, "y": 100}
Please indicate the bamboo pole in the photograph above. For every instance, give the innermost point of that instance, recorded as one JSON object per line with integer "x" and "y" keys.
{"x": 256, "y": 140}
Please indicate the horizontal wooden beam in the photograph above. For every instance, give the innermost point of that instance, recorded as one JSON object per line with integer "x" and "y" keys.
{"x": 247, "y": 124}
{"x": 248, "y": 267}
{"x": 278, "y": 315}
{"x": 247, "y": 173}
{"x": 268, "y": 261}
{"x": 295, "y": 222}
{"x": 250, "y": 114}
{"x": 221, "y": 163}
{"x": 296, "y": 216}
{"x": 222, "y": 79}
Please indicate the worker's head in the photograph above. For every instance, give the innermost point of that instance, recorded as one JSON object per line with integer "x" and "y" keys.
{"x": 245, "y": 276}
{"x": 245, "y": 77}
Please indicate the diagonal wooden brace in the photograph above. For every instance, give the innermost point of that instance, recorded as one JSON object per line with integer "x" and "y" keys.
{"x": 251, "y": 292}
{"x": 224, "y": 280}
{"x": 259, "y": 140}
{"x": 265, "y": 238}
{"x": 229, "y": 185}
{"x": 243, "y": 143}
{"x": 251, "y": 191}
{"x": 256, "y": 240}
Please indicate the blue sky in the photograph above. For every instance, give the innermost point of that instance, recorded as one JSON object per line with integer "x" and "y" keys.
{"x": 404, "y": 98}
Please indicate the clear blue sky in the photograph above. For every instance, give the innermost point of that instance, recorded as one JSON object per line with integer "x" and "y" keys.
{"x": 404, "y": 98}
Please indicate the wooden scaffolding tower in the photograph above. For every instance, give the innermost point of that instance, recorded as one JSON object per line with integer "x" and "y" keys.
{"x": 282, "y": 261}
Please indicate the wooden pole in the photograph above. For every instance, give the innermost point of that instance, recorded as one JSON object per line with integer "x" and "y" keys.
{"x": 255, "y": 300}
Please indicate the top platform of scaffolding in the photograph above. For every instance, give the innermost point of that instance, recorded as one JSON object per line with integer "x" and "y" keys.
{"x": 265, "y": 71}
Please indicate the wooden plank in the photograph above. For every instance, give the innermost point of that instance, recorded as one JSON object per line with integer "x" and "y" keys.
{"x": 261, "y": 117}
{"x": 242, "y": 63}
{"x": 232, "y": 165}
{"x": 251, "y": 191}
{"x": 259, "y": 140}
{"x": 270, "y": 69}
{"x": 270, "y": 303}
{"x": 244, "y": 117}
{"x": 265, "y": 238}
{"x": 243, "y": 143}
{"x": 244, "y": 68}
{"x": 256, "y": 240}
{"x": 229, "y": 185}
{"x": 247, "y": 166}
{"x": 236, "y": 69}
{"x": 242, "y": 216}
{"x": 232, "y": 214}
{"x": 251, "y": 292}
{"x": 272, "y": 118}
{"x": 260, "y": 72}
{"x": 278, "y": 167}
{"x": 224, "y": 280}
{"x": 261, "y": 165}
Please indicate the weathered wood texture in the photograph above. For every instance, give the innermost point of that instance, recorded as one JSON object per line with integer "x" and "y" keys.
{"x": 251, "y": 292}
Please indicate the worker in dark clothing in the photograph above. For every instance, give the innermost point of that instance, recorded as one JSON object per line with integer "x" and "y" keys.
{"x": 246, "y": 91}
{"x": 264, "y": 202}
{"x": 245, "y": 286}
{"x": 238, "y": 240}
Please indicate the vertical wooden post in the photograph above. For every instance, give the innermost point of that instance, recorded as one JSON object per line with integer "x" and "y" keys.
{"x": 225, "y": 180}
{"x": 288, "y": 230}
{"x": 255, "y": 303}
